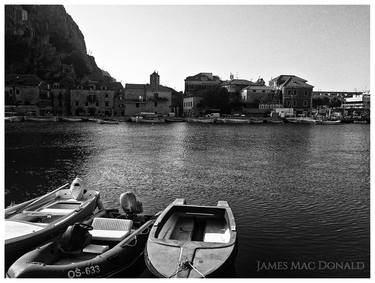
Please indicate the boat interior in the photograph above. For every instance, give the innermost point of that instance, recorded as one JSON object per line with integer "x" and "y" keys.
{"x": 202, "y": 224}
{"x": 52, "y": 208}
{"x": 106, "y": 233}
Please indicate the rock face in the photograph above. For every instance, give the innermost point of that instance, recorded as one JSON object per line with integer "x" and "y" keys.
{"x": 44, "y": 40}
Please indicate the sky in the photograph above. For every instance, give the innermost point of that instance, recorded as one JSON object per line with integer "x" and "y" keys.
{"x": 329, "y": 46}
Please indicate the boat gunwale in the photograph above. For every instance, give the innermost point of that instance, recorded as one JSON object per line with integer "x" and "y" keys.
{"x": 199, "y": 244}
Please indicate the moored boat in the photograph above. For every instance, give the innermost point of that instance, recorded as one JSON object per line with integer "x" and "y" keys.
{"x": 256, "y": 121}
{"x": 275, "y": 121}
{"x": 232, "y": 121}
{"x": 103, "y": 246}
{"x": 201, "y": 120}
{"x": 69, "y": 119}
{"x": 191, "y": 241}
{"x": 329, "y": 122}
{"x": 101, "y": 121}
{"x": 174, "y": 119}
{"x": 41, "y": 119}
{"x": 34, "y": 222}
{"x": 13, "y": 119}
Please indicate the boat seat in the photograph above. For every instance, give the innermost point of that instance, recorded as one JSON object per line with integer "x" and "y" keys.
{"x": 95, "y": 249}
{"x": 110, "y": 229}
{"x": 216, "y": 232}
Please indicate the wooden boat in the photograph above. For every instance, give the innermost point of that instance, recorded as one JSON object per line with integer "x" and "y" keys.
{"x": 41, "y": 119}
{"x": 274, "y": 121}
{"x": 68, "y": 119}
{"x": 360, "y": 122}
{"x": 201, "y": 120}
{"x": 100, "y": 121}
{"x": 29, "y": 224}
{"x": 13, "y": 119}
{"x": 147, "y": 119}
{"x": 329, "y": 122}
{"x": 174, "y": 119}
{"x": 191, "y": 241}
{"x": 232, "y": 121}
{"x": 107, "y": 244}
{"x": 256, "y": 121}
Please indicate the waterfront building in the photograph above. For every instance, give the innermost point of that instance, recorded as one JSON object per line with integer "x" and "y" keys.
{"x": 190, "y": 105}
{"x": 200, "y": 82}
{"x": 357, "y": 101}
{"x": 92, "y": 98}
{"x": 152, "y": 97}
{"x": 295, "y": 93}
{"x": 60, "y": 99}
{"x": 24, "y": 92}
{"x": 235, "y": 85}
{"x": 259, "y": 99}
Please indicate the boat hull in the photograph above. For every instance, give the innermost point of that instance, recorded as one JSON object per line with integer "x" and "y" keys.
{"x": 198, "y": 244}
{"x": 18, "y": 244}
{"x": 116, "y": 260}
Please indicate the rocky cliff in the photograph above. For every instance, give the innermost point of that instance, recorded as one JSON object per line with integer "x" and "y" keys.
{"x": 44, "y": 40}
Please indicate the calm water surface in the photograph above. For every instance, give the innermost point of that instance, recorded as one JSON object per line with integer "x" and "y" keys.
{"x": 299, "y": 193}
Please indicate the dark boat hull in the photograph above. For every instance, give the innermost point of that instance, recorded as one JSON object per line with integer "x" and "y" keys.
{"x": 16, "y": 247}
{"x": 116, "y": 260}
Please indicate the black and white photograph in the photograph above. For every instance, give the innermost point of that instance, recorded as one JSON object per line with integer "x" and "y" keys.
{"x": 146, "y": 140}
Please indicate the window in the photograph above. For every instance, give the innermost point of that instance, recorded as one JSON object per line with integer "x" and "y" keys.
{"x": 295, "y": 92}
{"x": 11, "y": 91}
{"x": 137, "y": 105}
{"x": 77, "y": 103}
{"x": 305, "y": 103}
{"x": 263, "y": 90}
{"x": 156, "y": 104}
{"x": 254, "y": 90}
{"x": 87, "y": 104}
{"x": 107, "y": 103}
{"x": 97, "y": 104}
{"x": 106, "y": 95}
{"x": 288, "y": 91}
{"x": 156, "y": 95}
{"x": 17, "y": 91}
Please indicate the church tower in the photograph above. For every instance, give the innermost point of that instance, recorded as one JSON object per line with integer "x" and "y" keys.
{"x": 154, "y": 79}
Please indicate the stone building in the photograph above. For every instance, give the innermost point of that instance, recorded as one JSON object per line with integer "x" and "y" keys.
{"x": 190, "y": 105}
{"x": 25, "y": 92}
{"x": 295, "y": 93}
{"x": 93, "y": 98}
{"x": 200, "y": 82}
{"x": 259, "y": 99}
{"x": 60, "y": 100}
{"x": 152, "y": 97}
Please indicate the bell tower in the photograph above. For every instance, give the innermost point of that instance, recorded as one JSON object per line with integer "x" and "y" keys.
{"x": 154, "y": 79}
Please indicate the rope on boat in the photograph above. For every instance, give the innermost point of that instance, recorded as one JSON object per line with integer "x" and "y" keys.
{"x": 186, "y": 265}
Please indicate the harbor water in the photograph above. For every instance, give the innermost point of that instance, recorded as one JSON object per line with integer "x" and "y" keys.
{"x": 300, "y": 194}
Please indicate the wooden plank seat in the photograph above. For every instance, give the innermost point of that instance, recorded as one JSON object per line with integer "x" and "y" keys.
{"x": 110, "y": 229}
{"x": 216, "y": 231}
{"x": 95, "y": 249}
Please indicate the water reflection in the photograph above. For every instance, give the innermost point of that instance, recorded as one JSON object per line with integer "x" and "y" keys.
{"x": 298, "y": 192}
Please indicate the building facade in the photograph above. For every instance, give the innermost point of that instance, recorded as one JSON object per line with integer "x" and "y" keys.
{"x": 200, "y": 82}
{"x": 295, "y": 93}
{"x": 152, "y": 97}
{"x": 92, "y": 99}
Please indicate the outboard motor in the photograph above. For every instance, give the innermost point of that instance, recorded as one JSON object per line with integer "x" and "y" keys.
{"x": 130, "y": 204}
{"x": 77, "y": 189}
{"x": 75, "y": 238}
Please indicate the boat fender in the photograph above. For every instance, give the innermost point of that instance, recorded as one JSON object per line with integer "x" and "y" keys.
{"x": 130, "y": 204}
{"x": 75, "y": 238}
{"x": 77, "y": 188}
